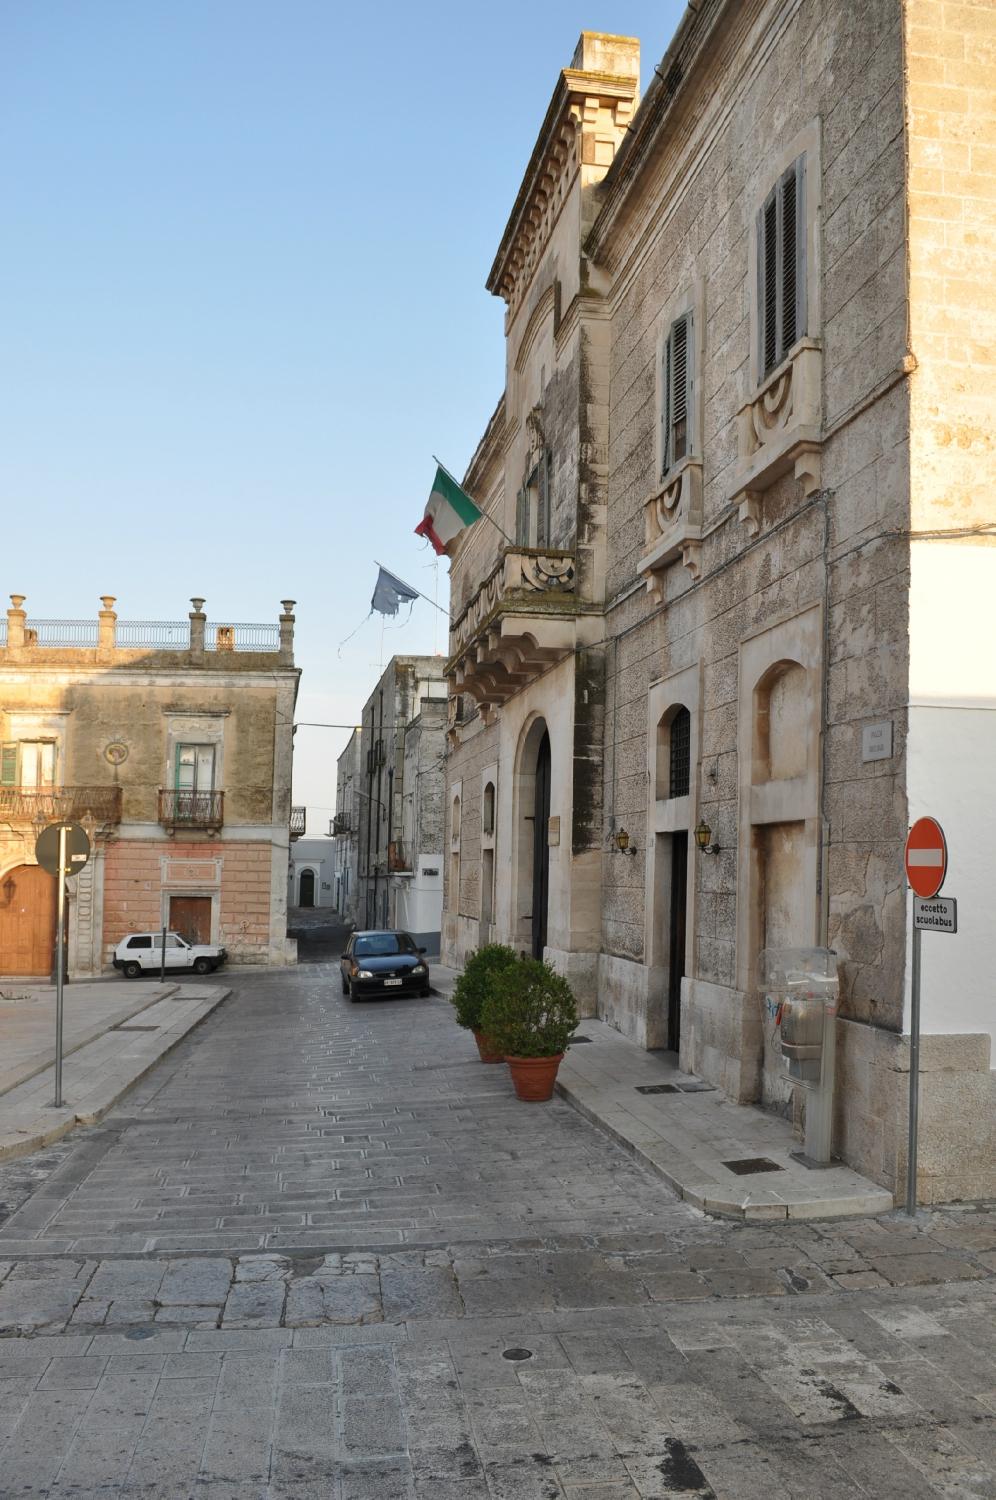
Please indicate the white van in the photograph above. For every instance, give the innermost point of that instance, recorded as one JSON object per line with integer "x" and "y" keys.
{"x": 141, "y": 953}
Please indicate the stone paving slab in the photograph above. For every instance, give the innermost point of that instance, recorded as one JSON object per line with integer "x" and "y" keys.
{"x": 27, "y": 1020}
{"x": 891, "y": 1396}
{"x": 686, "y": 1138}
{"x": 107, "y": 1059}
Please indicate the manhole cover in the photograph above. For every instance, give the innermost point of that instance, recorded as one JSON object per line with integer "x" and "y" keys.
{"x": 140, "y": 1333}
{"x": 697, "y": 1087}
{"x": 517, "y": 1354}
{"x": 748, "y": 1164}
{"x": 657, "y": 1088}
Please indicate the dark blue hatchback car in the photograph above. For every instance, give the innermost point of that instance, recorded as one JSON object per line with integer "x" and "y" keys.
{"x": 383, "y": 963}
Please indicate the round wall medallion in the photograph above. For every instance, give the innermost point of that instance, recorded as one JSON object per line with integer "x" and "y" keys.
{"x": 116, "y": 753}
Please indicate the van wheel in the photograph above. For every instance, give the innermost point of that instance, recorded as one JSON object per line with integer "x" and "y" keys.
{"x": 202, "y": 966}
{"x": 132, "y": 970}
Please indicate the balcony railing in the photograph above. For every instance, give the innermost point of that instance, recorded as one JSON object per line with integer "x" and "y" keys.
{"x": 77, "y": 804}
{"x": 194, "y": 810}
{"x": 342, "y": 823}
{"x": 298, "y": 820}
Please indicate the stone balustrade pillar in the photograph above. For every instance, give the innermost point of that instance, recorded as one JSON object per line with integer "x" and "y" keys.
{"x": 16, "y": 617}
{"x": 198, "y": 620}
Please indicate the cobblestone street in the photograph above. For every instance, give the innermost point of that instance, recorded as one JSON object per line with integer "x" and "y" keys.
{"x": 322, "y": 1251}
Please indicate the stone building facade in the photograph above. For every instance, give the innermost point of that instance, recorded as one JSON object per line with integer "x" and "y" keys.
{"x": 765, "y": 295}
{"x": 345, "y": 827}
{"x": 403, "y": 726}
{"x": 171, "y": 743}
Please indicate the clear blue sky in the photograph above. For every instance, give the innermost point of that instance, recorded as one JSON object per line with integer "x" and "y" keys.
{"x": 243, "y": 263}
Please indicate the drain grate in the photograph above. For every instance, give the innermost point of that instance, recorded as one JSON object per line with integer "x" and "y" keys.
{"x": 136, "y": 1028}
{"x": 517, "y": 1354}
{"x": 749, "y": 1164}
{"x": 695, "y": 1087}
{"x": 140, "y": 1333}
{"x": 575, "y": 1039}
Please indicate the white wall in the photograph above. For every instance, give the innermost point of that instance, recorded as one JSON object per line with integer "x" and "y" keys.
{"x": 951, "y": 764}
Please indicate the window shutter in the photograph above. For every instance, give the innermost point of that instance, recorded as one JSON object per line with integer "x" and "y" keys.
{"x": 667, "y": 404}
{"x": 8, "y": 765}
{"x": 522, "y": 518}
{"x": 781, "y": 266}
{"x": 680, "y": 377}
{"x": 677, "y": 402}
{"x": 543, "y": 519}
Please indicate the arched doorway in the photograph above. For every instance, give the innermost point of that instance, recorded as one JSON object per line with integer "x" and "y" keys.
{"x": 306, "y": 894}
{"x": 531, "y": 860}
{"x": 541, "y": 847}
{"x": 27, "y": 921}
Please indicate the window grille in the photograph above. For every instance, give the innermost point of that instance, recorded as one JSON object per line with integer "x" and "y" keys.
{"x": 781, "y": 265}
{"x": 681, "y": 749}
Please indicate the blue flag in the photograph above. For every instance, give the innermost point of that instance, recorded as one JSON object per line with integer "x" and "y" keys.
{"x": 389, "y": 592}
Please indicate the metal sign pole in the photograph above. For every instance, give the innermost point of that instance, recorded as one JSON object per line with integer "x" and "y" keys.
{"x": 61, "y": 919}
{"x": 914, "y": 1076}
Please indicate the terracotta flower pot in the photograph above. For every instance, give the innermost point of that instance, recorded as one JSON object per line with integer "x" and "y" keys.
{"x": 534, "y": 1077}
{"x": 486, "y": 1048}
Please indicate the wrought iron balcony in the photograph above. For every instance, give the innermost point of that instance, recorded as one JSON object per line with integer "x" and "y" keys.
{"x": 298, "y": 820}
{"x": 522, "y": 618}
{"x": 77, "y": 804}
{"x": 194, "y": 810}
{"x": 342, "y": 823}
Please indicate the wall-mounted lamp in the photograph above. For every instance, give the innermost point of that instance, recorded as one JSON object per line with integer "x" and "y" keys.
{"x": 622, "y": 842}
{"x": 703, "y": 837}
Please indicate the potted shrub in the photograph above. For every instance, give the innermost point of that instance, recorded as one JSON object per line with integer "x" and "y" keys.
{"x": 472, "y": 988}
{"x": 530, "y": 1014}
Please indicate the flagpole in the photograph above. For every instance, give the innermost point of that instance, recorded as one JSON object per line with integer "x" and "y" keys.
{"x": 483, "y": 513}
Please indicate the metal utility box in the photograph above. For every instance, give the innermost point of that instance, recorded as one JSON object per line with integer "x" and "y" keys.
{"x": 802, "y": 986}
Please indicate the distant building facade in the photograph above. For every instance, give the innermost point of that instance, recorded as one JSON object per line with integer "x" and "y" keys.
{"x": 346, "y": 827}
{"x": 745, "y": 449}
{"x": 171, "y": 743}
{"x": 400, "y": 794}
{"x": 311, "y": 881}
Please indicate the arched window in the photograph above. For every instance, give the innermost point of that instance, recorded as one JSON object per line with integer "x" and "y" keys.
{"x": 680, "y": 752}
{"x": 488, "y": 809}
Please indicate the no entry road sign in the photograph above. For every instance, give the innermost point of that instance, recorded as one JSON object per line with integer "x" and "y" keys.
{"x": 926, "y": 857}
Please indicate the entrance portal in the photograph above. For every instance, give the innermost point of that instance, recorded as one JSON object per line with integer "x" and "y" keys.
{"x": 676, "y": 936}
{"x": 190, "y": 916}
{"x": 541, "y": 847}
{"x": 27, "y": 921}
{"x": 306, "y": 894}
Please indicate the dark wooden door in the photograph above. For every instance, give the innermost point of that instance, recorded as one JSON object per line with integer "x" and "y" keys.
{"x": 676, "y": 944}
{"x": 541, "y": 847}
{"x": 307, "y": 895}
{"x": 27, "y": 921}
{"x": 190, "y": 916}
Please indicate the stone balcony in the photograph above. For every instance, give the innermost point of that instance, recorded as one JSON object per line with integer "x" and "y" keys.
{"x": 779, "y": 432}
{"x": 673, "y": 524}
{"x": 522, "y": 619}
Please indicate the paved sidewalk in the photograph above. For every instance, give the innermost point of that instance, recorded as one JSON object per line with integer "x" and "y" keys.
{"x": 689, "y": 1132}
{"x": 113, "y": 1034}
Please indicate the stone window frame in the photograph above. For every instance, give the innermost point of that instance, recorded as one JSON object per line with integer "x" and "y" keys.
{"x": 454, "y": 823}
{"x": 795, "y": 638}
{"x": 489, "y": 778}
{"x": 804, "y": 147}
{"x": 195, "y": 727}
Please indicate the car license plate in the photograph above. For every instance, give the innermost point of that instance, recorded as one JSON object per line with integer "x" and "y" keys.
{"x": 392, "y": 981}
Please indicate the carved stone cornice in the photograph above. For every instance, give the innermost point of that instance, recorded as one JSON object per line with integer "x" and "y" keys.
{"x": 587, "y": 118}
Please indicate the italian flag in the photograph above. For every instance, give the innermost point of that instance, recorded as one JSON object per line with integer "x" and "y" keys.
{"x": 449, "y": 510}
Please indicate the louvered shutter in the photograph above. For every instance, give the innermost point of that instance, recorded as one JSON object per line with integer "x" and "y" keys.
{"x": 8, "y": 765}
{"x": 522, "y": 518}
{"x": 543, "y": 519}
{"x": 677, "y": 404}
{"x": 781, "y": 266}
{"x": 666, "y": 407}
